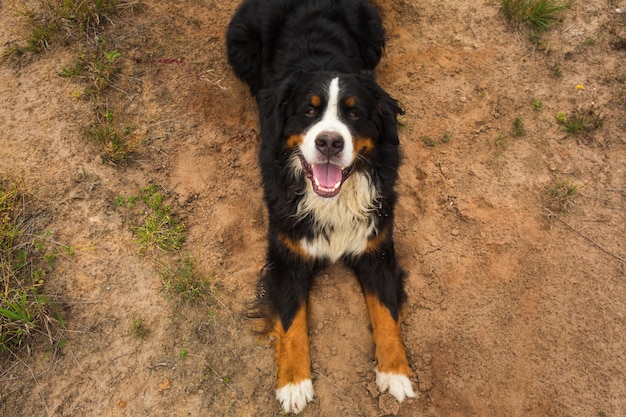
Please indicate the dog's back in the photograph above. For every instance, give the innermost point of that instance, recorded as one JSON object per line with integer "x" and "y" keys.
{"x": 308, "y": 35}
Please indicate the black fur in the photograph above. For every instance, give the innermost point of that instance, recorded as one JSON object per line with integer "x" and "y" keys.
{"x": 285, "y": 50}
{"x": 268, "y": 40}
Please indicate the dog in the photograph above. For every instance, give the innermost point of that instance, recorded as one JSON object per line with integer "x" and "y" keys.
{"x": 329, "y": 160}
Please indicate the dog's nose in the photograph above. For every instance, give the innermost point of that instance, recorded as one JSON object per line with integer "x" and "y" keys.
{"x": 329, "y": 143}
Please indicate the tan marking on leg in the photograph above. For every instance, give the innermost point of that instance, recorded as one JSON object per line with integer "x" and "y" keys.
{"x": 350, "y": 101}
{"x": 292, "y": 350}
{"x": 390, "y": 352}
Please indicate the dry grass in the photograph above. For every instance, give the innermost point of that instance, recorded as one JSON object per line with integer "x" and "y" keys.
{"x": 25, "y": 261}
{"x": 65, "y": 21}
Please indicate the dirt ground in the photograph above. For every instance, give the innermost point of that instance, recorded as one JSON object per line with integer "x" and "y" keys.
{"x": 514, "y": 308}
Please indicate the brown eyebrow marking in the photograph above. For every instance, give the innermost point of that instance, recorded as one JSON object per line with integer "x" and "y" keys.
{"x": 350, "y": 102}
{"x": 316, "y": 100}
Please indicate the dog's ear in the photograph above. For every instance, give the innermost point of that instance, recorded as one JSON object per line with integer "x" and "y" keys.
{"x": 273, "y": 103}
{"x": 387, "y": 107}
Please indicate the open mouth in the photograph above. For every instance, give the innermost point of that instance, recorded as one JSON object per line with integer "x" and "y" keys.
{"x": 326, "y": 178}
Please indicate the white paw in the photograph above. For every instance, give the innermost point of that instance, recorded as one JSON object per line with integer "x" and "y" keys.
{"x": 398, "y": 385}
{"x": 294, "y": 397}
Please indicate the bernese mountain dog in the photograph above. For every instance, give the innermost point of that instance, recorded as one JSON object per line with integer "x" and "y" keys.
{"x": 329, "y": 161}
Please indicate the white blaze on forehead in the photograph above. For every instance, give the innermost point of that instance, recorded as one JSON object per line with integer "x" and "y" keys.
{"x": 332, "y": 111}
{"x": 330, "y": 122}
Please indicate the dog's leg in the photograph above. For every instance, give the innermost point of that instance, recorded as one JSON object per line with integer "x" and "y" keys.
{"x": 382, "y": 282}
{"x": 286, "y": 284}
{"x": 294, "y": 387}
{"x": 392, "y": 368}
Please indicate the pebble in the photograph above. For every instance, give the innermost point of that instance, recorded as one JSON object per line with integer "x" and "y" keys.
{"x": 372, "y": 389}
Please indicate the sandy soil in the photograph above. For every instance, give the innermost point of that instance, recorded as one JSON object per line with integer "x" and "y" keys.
{"x": 512, "y": 311}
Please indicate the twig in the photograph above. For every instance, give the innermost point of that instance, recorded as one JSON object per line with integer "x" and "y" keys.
{"x": 189, "y": 70}
{"x": 593, "y": 242}
{"x": 223, "y": 306}
{"x": 77, "y": 363}
{"x": 162, "y": 364}
{"x": 214, "y": 371}
{"x": 331, "y": 382}
{"x": 32, "y": 374}
{"x": 6, "y": 371}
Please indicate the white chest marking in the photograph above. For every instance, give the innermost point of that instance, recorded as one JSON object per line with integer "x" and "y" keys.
{"x": 342, "y": 224}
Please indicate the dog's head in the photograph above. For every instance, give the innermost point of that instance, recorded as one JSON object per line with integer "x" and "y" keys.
{"x": 334, "y": 124}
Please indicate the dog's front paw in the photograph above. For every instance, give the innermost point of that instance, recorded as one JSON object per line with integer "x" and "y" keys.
{"x": 398, "y": 385}
{"x": 294, "y": 397}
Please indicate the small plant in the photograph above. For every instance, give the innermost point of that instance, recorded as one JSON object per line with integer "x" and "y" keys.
{"x": 536, "y": 16}
{"x": 557, "y": 71}
{"x": 118, "y": 143}
{"x": 518, "y": 128}
{"x": 432, "y": 142}
{"x": 161, "y": 228}
{"x": 126, "y": 202}
{"x": 537, "y": 104}
{"x": 562, "y": 195}
{"x": 187, "y": 283}
{"x": 183, "y": 354}
{"x": 428, "y": 141}
{"x": 139, "y": 330}
{"x": 77, "y": 70}
{"x": 502, "y": 141}
{"x": 580, "y": 121}
{"x": 98, "y": 69}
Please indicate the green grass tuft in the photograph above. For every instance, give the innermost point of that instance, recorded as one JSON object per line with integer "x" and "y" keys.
{"x": 24, "y": 261}
{"x": 186, "y": 282}
{"x": 562, "y": 195}
{"x": 98, "y": 69}
{"x": 581, "y": 122}
{"x": 139, "y": 330}
{"x": 518, "y": 128}
{"x": 63, "y": 21}
{"x": 536, "y": 16}
{"x": 118, "y": 142}
{"x": 161, "y": 228}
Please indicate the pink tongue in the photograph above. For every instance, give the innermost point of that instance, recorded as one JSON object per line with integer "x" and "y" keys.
{"x": 327, "y": 174}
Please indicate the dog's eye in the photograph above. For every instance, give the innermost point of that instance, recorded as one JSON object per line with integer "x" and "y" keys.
{"x": 353, "y": 114}
{"x": 311, "y": 111}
